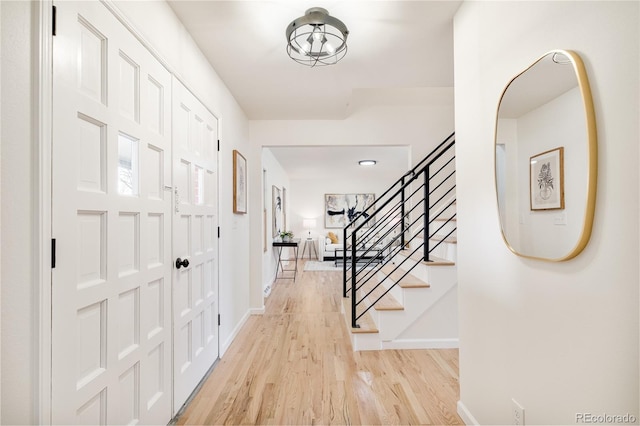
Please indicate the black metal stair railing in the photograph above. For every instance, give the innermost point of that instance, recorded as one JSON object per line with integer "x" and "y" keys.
{"x": 404, "y": 219}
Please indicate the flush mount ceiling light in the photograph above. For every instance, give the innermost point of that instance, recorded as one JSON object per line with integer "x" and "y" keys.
{"x": 367, "y": 162}
{"x": 317, "y": 38}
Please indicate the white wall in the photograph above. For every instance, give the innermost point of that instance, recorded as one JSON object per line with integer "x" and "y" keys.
{"x": 19, "y": 315}
{"x": 275, "y": 176}
{"x": 507, "y": 166}
{"x": 0, "y": 217}
{"x": 420, "y": 122}
{"x": 560, "y": 338}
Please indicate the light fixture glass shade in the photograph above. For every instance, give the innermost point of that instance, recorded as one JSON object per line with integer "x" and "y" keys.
{"x": 317, "y": 38}
{"x": 309, "y": 224}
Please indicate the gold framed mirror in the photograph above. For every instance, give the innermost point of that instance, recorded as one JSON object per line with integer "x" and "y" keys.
{"x": 546, "y": 159}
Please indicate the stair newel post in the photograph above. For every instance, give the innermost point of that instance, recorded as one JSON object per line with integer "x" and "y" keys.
{"x": 402, "y": 213}
{"x": 353, "y": 280}
{"x": 344, "y": 262}
{"x": 425, "y": 216}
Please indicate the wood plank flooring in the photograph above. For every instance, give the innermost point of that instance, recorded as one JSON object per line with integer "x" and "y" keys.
{"x": 294, "y": 365}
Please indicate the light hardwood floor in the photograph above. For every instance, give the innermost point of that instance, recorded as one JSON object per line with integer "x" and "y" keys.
{"x": 295, "y": 365}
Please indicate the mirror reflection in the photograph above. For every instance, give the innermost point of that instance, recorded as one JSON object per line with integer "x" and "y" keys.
{"x": 546, "y": 159}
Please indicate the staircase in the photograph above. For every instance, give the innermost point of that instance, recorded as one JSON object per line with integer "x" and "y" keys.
{"x": 400, "y": 278}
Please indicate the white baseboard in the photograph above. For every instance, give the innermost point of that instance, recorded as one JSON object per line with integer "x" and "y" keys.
{"x": 234, "y": 333}
{"x": 365, "y": 342}
{"x": 421, "y": 344}
{"x": 466, "y": 415}
{"x": 266, "y": 290}
{"x": 238, "y": 327}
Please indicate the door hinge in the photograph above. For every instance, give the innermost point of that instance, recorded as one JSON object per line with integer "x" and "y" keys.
{"x": 218, "y": 232}
{"x": 53, "y": 21}
{"x": 218, "y": 145}
{"x": 218, "y": 319}
{"x": 53, "y": 253}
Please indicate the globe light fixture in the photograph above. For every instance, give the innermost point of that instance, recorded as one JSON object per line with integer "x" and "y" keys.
{"x": 317, "y": 39}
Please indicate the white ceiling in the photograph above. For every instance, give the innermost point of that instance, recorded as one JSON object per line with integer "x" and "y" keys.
{"x": 341, "y": 162}
{"x": 392, "y": 46}
{"x": 540, "y": 83}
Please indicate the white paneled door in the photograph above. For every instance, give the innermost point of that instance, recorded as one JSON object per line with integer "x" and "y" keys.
{"x": 195, "y": 242}
{"x": 111, "y": 284}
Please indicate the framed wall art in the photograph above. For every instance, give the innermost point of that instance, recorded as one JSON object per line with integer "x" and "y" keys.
{"x": 546, "y": 178}
{"x": 276, "y": 206}
{"x": 284, "y": 208}
{"x": 239, "y": 183}
{"x": 342, "y": 209}
{"x": 265, "y": 206}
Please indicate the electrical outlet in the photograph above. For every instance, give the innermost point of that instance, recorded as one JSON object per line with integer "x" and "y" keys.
{"x": 518, "y": 413}
{"x": 560, "y": 219}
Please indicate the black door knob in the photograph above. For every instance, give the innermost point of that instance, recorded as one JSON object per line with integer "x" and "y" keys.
{"x": 180, "y": 263}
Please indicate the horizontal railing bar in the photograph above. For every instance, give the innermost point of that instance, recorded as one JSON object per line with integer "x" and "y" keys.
{"x": 444, "y": 209}
{"x": 407, "y": 272}
{"x": 441, "y": 226}
{"x": 440, "y": 149}
{"x": 372, "y": 270}
{"x": 440, "y": 199}
{"x": 442, "y": 240}
{"x": 443, "y": 166}
{"x": 442, "y": 182}
{"x": 413, "y": 172}
{"x": 418, "y": 173}
{"x": 373, "y": 245}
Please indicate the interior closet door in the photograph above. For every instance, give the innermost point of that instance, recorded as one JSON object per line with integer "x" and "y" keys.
{"x": 195, "y": 242}
{"x": 111, "y": 284}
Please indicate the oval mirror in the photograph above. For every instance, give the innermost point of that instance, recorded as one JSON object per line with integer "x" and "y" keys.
{"x": 546, "y": 159}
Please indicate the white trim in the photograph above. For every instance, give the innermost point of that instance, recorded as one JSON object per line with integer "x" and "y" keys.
{"x": 234, "y": 333}
{"x": 1, "y": 223}
{"x": 257, "y": 311}
{"x": 266, "y": 290}
{"x": 421, "y": 344}
{"x": 466, "y": 415}
{"x": 42, "y": 202}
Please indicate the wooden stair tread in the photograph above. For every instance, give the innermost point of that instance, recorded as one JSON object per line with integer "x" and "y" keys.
{"x": 409, "y": 281}
{"x": 434, "y": 260}
{"x": 366, "y": 323}
{"x": 387, "y": 303}
{"x": 445, "y": 219}
{"x": 452, "y": 240}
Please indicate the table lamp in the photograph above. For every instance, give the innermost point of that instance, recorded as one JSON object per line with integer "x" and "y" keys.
{"x": 309, "y": 224}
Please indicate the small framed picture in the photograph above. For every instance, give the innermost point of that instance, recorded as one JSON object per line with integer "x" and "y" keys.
{"x": 546, "y": 178}
{"x": 276, "y": 213}
{"x": 239, "y": 183}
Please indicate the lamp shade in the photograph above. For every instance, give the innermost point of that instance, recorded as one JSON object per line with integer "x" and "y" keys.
{"x": 309, "y": 223}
